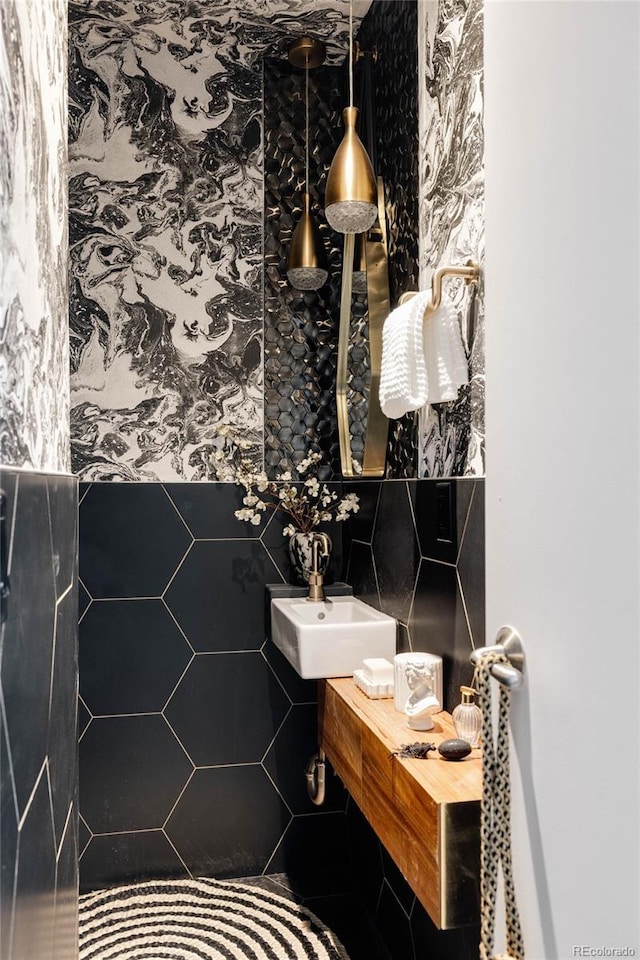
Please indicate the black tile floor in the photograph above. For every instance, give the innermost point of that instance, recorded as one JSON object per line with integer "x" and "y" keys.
{"x": 345, "y": 914}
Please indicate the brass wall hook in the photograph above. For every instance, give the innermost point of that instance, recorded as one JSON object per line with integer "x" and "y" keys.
{"x": 470, "y": 273}
{"x": 359, "y": 53}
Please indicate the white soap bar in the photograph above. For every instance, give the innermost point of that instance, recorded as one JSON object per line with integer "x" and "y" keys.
{"x": 375, "y": 691}
{"x": 378, "y": 670}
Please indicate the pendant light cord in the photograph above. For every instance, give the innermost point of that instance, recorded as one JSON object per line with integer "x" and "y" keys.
{"x": 350, "y": 53}
{"x": 306, "y": 135}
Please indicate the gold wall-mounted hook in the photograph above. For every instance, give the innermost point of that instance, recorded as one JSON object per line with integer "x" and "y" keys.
{"x": 469, "y": 273}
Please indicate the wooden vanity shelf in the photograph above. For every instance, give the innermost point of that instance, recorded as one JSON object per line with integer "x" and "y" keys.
{"x": 425, "y": 812}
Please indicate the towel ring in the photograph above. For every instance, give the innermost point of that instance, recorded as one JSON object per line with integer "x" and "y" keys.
{"x": 470, "y": 274}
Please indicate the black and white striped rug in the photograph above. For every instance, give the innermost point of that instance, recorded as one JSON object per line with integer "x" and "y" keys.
{"x": 200, "y": 920}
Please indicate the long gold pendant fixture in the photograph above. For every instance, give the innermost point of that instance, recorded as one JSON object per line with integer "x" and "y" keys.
{"x": 351, "y": 197}
{"x": 307, "y": 261}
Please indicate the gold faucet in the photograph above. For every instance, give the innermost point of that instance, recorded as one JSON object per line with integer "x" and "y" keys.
{"x": 316, "y": 578}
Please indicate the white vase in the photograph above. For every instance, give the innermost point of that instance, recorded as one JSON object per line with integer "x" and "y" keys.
{"x": 301, "y": 556}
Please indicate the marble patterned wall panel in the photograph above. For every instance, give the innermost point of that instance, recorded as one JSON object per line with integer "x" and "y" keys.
{"x": 452, "y": 214}
{"x": 34, "y": 381}
{"x": 166, "y": 229}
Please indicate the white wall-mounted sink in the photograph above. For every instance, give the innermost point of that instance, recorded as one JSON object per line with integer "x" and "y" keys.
{"x": 330, "y": 638}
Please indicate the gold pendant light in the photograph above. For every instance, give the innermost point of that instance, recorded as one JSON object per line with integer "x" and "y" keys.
{"x": 351, "y": 198}
{"x": 307, "y": 261}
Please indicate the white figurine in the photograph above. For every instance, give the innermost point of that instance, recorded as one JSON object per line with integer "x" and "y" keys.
{"x": 422, "y": 701}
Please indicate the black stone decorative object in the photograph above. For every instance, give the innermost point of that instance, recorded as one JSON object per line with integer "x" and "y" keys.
{"x": 454, "y": 749}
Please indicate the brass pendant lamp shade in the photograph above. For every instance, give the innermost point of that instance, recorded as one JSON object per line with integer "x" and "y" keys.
{"x": 351, "y": 199}
{"x": 307, "y": 261}
{"x": 350, "y": 202}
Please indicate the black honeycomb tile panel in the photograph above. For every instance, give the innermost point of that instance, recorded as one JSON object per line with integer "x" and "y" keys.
{"x": 471, "y": 565}
{"x": 61, "y": 746}
{"x": 328, "y": 870}
{"x": 298, "y": 690}
{"x": 227, "y": 708}
{"x": 217, "y": 595}
{"x": 394, "y": 925}
{"x": 35, "y": 879}
{"x": 433, "y": 544}
{"x": 65, "y": 927}
{"x": 129, "y": 857}
{"x": 301, "y": 328}
{"x": 461, "y": 943}
{"x": 132, "y": 654}
{"x": 295, "y": 743}
{"x": 228, "y": 822}
{"x": 133, "y": 770}
{"x": 395, "y": 550}
{"x": 208, "y": 510}
{"x": 131, "y": 540}
{"x": 438, "y": 625}
{"x": 28, "y": 634}
{"x": 361, "y": 574}
{"x": 63, "y": 513}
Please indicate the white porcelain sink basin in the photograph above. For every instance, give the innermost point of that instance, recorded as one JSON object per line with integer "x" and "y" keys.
{"x": 330, "y": 638}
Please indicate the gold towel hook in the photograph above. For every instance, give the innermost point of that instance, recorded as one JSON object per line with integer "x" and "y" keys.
{"x": 470, "y": 274}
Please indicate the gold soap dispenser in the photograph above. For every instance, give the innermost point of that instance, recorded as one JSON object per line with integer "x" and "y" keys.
{"x": 467, "y": 717}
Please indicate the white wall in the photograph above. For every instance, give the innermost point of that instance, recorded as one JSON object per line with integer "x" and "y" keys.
{"x": 562, "y": 266}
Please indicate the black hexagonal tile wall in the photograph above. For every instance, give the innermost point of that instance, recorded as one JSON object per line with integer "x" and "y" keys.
{"x": 361, "y": 573}
{"x": 395, "y": 549}
{"x": 328, "y": 870}
{"x": 295, "y": 743}
{"x": 8, "y": 838}
{"x": 133, "y": 770}
{"x": 63, "y": 514}
{"x": 438, "y": 625}
{"x": 227, "y": 708}
{"x": 131, "y": 540}
{"x": 471, "y": 566}
{"x": 298, "y": 690}
{"x": 228, "y": 821}
{"x": 65, "y": 934}
{"x": 129, "y": 856}
{"x": 361, "y": 523}
{"x": 208, "y": 510}
{"x": 431, "y": 501}
{"x": 132, "y": 654}
{"x": 35, "y": 878}
{"x": 217, "y": 595}
{"x": 63, "y": 767}
{"x": 28, "y": 634}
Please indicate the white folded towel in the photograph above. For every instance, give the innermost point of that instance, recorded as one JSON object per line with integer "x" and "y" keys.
{"x": 423, "y": 359}
{"x": 403, "y": 374}
{"x": 447, "y": 367}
